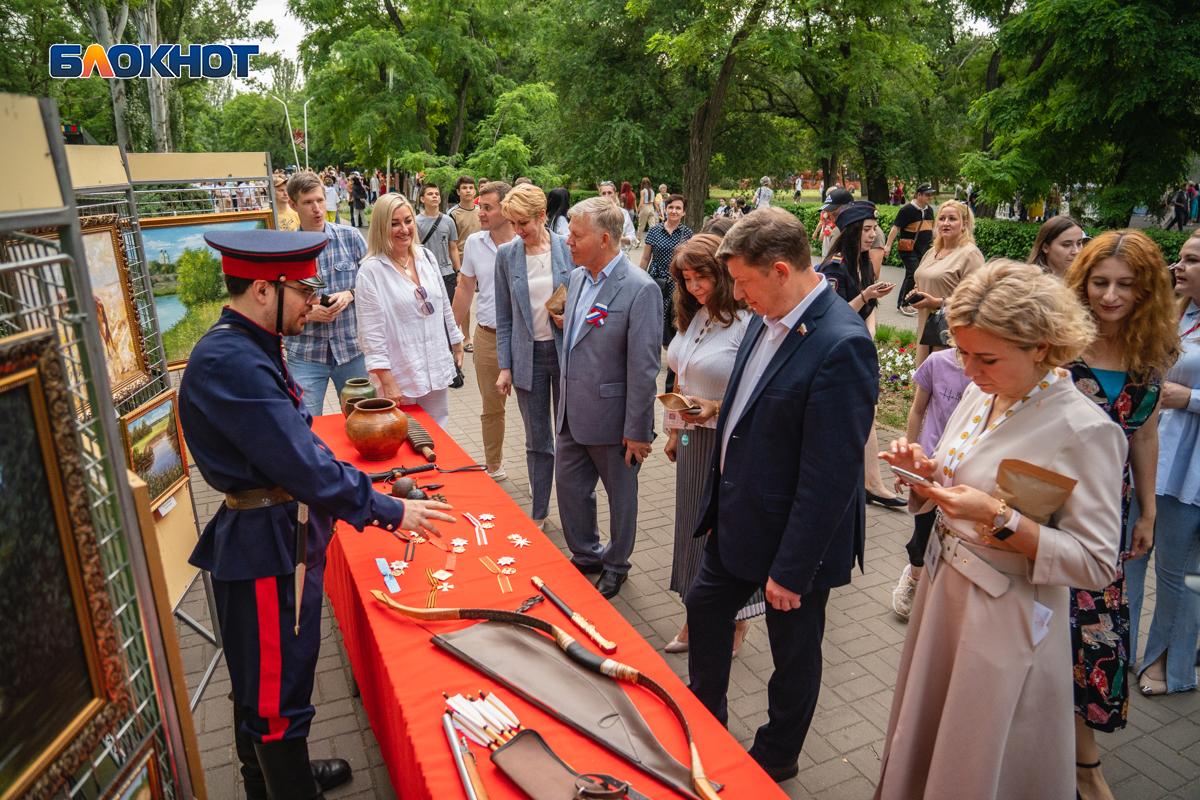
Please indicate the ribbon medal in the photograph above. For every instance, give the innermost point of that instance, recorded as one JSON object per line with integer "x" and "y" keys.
{"x": 596, "y": 315}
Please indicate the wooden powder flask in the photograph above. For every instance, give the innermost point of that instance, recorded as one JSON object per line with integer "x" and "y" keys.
{"x": 580, "y": 655}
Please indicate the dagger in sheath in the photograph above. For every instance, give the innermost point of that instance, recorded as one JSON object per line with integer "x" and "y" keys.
{"x": 301, "y": 553}
{"x": 574, "y": 616}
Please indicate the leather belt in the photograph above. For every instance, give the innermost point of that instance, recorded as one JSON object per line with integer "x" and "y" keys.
{"x": 486, "y": 328}
{"x": 257, "y": 498}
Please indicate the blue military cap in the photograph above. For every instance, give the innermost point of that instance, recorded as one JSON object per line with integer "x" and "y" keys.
{"x": 855, "y": 212}
{"x": 266, "y": 255}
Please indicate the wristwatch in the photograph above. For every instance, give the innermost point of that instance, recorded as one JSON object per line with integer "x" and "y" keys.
{"x": 1003, "y": 528}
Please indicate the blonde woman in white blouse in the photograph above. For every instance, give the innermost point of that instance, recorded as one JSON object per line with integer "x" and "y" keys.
{"x": 405, "y": 325}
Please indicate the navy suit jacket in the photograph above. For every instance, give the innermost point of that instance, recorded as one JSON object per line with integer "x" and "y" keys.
{"x": 791, "y": 503}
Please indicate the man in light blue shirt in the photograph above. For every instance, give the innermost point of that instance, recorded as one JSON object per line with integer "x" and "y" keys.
{"x": 610, "y": 365}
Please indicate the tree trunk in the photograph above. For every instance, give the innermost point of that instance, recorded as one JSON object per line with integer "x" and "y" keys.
{"x": 460, "y": 120}
{"x": 704, "y": 125}
{"x": 992, "y": 83}
{"x": 423, "y": 127}
{"x": 875, "y": 184}
{"x": 108, "y": 33}
{"x": 145, "y": 19}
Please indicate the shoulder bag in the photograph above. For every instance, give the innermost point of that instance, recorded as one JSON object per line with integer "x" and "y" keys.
{"x": 936, "y": 332}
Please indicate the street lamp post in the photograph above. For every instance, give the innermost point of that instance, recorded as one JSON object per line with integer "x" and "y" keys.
{"x": 291, "y": 136}
{"x": 306, "y": 142}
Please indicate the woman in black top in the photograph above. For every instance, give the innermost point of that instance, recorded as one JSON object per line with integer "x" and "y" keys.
{"x": 848, "y": 267}
{"x": 557, "y": 203}
{"x": 358, "y": 201}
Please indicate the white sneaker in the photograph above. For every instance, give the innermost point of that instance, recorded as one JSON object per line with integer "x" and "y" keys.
{"x": 908, "y": 311}
{"x": 498, "y": 475}
{"x": 541, "y": 523}
{"x": 903, "y": 594}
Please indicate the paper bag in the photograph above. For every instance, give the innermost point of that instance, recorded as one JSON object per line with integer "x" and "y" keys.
{"x": 558, "y": 300}
{"x": 673, "y": 401}
{"x": 1034, "y": 491}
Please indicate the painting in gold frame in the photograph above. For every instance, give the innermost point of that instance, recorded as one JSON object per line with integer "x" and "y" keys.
{"x": 154, "y": 446}
{"x": 140, "y": 778}
{"x": 54, "y": 607}
{"x": 112, "y": 302}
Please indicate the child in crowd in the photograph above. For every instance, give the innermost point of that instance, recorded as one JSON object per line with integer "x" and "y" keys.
{"x": 940, "y": 385}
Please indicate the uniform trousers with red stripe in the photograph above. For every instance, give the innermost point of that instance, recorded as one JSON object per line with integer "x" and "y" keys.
{"x": 271, "y": 666}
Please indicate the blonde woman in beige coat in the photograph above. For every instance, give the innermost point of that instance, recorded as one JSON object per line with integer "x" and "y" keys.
{"x": 983, "y": 706}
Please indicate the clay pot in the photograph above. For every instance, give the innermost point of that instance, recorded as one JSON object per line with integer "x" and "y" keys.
{"x": 355, "y": 387}
{"x": 376, "y": 428}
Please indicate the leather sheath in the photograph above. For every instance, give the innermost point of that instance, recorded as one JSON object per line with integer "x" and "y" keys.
{"x": 257, "y": 498}
{"x": 530, "y": 763}
{"x": 530, "y": 664}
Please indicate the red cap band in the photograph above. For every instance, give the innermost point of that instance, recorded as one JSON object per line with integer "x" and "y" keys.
{"x": 268, "y": 270}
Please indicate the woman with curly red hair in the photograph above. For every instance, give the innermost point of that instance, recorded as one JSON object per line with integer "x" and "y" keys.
{"x": 1121, "y": 278}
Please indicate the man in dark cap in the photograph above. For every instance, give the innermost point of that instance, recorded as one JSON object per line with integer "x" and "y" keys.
{"x": 249, "y": 433}
{"x": 834, "y": 200}
{"x": 914, "y": 226}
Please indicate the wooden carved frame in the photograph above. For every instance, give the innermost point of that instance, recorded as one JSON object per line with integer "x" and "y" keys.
{"x": 187, "y": 220}
{"x": 110, "y": 223}
{"x": 132, "y": 418}
{"x": 147, "y": 756}
{"x": 32, "y": 358}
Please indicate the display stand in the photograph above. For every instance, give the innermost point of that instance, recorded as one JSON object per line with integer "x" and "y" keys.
{"x": 100, "y": 179}
{"x": 46, "y": 285}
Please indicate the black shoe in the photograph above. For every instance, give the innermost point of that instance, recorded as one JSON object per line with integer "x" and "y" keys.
{"x": 610, "y": 583}
{"x": 287, "y": 770}
{"x": 781, "y": 774}
{"x": 588, "y": 569}
{"x": 886, "y": 502}
{"x": 330, "y": 772}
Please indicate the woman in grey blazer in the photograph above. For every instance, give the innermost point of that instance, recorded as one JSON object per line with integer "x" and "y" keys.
{"x": 528, "y": 337}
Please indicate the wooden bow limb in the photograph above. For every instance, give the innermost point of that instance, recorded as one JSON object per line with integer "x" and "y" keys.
{"x": 577, "y": 653}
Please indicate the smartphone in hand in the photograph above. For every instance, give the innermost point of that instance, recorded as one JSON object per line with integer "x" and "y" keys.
{"x": 912, "y": 477}
{"x": 915, "y": 297}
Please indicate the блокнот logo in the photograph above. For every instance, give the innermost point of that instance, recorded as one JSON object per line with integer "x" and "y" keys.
{"x": 142, "y": 61}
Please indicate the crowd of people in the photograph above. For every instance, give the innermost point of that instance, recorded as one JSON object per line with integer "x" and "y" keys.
{"x": 1052, "y": 443}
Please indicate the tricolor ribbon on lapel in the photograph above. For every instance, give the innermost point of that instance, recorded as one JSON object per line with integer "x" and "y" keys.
{"x": 596, "y": 315}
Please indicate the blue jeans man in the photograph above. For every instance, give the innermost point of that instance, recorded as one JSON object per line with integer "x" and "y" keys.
{"x": 315, "y": 377}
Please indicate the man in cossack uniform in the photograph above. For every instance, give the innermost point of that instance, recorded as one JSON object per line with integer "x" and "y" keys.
{"x": 249, "y": 433}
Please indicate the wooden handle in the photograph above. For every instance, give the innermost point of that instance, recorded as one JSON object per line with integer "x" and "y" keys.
{"x": 473, "y": 774}
{"x": 587, "y": 627}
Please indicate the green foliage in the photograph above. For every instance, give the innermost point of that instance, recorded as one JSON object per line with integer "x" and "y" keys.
{"x": 1105, "y": 100}
{"x": 886, "y": 334}
{"x": 179, "y": 341}
{"x": 200, "y": 279}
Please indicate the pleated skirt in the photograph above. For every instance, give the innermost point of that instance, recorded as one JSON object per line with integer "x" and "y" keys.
{"x": 692, "y": 461}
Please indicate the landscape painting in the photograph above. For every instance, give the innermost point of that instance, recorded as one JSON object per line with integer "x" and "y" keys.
{"x": 154, "y": 446}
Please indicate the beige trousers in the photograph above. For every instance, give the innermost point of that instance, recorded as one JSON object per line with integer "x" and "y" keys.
{"x": 487, "y": 370}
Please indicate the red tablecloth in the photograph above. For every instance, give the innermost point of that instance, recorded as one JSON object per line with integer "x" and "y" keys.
{"x": 402, "y": 675}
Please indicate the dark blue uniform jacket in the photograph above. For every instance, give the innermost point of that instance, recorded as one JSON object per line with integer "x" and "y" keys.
{"x": 247, "y": 429}
{"x": 790, "y": 503}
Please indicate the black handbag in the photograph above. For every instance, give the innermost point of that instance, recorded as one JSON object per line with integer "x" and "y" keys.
{"x": 459, "y": 379}
{"x": 936, "y": 332}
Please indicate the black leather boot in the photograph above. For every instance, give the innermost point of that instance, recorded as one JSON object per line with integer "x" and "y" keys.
{"x": 287, "y": 770}
{"x": 252, "y": 774}
{"x": 330, "y": 772}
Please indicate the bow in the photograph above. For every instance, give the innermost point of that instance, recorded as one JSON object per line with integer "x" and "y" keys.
{"x": 596, "y": 315}
{"x": 577, "y": 653}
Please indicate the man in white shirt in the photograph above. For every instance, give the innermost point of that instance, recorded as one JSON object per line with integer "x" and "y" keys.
{"x": 479, "y": 268}
{"x": 784, "y": 500}
{"x": 609, "y": 191}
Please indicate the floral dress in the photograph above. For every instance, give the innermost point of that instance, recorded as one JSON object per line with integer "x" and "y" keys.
{"x": 1100, "y": 620}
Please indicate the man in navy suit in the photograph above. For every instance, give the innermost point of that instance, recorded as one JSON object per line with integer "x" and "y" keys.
{"x": 785, "y": 503}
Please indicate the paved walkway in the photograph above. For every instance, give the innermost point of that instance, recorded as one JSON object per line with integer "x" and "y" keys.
{"x": 1157, "y": 755}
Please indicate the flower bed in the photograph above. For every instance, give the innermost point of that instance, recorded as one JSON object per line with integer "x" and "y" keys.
{"x": 897, "y": 363}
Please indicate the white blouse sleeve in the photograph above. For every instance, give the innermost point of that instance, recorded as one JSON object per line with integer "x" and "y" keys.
{"x": 372, "y": 327}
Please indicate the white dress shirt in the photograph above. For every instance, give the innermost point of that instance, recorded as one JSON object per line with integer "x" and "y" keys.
{"x": 396, "y": 334}
{"x": 760, "y": 357}
{"x": 479, "y": 262}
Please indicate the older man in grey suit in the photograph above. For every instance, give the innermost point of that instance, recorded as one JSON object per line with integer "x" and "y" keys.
{"x": 612, "y": 339}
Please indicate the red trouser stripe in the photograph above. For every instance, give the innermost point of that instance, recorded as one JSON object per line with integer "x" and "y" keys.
{"x": 270, "y": 659}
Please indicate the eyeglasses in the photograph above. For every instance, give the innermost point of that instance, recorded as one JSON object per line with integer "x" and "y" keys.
{"x": 423, "y": 299}
{"x": 310, "y": 295}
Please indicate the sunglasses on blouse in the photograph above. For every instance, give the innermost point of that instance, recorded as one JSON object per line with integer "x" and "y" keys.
{"x": 423, "y": 299}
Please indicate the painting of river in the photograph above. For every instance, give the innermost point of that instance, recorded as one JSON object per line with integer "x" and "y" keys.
{"x": 153, "y": 446}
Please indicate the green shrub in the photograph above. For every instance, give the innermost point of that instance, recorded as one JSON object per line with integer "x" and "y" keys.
{"x": 582, "y": 194}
